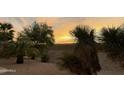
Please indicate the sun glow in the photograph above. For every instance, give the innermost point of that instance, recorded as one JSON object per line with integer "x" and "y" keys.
{"x": 63, "y": 25}
{"x": 64, "y": 39}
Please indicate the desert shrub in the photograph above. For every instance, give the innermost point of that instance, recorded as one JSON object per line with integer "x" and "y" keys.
{"x": 71, "y": 62}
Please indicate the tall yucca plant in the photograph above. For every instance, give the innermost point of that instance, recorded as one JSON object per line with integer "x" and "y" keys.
{"x": 83, "y": 34}
{"x": 113, "y": 41}
{"x": 85, "y": 48}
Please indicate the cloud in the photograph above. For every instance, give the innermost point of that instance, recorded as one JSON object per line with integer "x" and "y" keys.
{"x": 63, "y": 25}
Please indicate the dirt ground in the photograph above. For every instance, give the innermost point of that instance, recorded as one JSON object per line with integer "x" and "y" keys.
{"x": 35, "y": 67}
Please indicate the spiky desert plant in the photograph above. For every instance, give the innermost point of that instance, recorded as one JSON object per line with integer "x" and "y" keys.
{"x": 113, "y": 41}
{"x": 85, "y": 48}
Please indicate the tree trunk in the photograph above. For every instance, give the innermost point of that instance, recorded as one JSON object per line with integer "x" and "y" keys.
{"x": 20, "y": 59}
{"x": 33, "y": 57}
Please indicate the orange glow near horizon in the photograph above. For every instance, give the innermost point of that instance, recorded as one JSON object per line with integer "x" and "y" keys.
{"x": 63, "y": 25}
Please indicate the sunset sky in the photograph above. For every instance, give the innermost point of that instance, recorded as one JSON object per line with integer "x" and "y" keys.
{"x": 63, "y": 25}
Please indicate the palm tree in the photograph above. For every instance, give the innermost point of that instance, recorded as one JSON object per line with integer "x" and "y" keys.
{"x": 85, "y": 49}
{"x": 23, "y": 47}
{"x": 6, "y": 37}
{"x": 41, "y": 36}
{"x": 113, "y": 41}
{"x": 6, "y": 28}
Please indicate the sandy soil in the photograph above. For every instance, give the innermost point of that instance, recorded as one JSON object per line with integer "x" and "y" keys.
{"x": 35, "y": 67}
{"x": 31, "y": 67}
{"x": 109, "y": 67}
